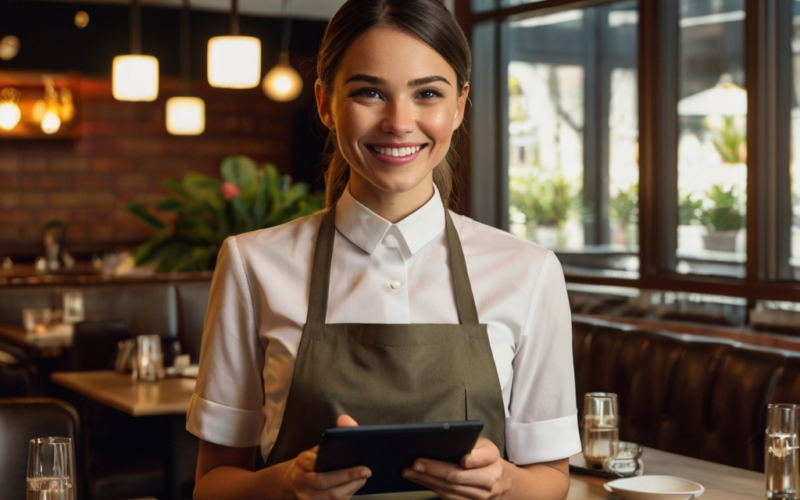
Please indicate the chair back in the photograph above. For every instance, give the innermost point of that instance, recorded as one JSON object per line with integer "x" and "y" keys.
{"x": 23, "y": 419}
{"x": 15, "y": 372}
{"x": 94, "y": 344}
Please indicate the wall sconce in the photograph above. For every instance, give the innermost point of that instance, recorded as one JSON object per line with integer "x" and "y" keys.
{"x": 9, "y": 109}
{"x": 283, "y": 83}
{"x": 135, "y": 76}
{"x": 186, "y": 115}
{"x": 234, "y": 61}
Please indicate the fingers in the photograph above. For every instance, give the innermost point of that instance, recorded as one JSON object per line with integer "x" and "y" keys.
{"x": 446, "y": 488}
{"x": 446, "y": 473}
{"x": 483, "y": 454}
{"x": 346, "y": 421}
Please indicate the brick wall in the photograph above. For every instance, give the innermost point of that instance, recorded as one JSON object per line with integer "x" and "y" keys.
{"x": 123, "y": 154}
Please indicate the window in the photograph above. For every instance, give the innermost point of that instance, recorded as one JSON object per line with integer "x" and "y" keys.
{"x": 651, "y": 144}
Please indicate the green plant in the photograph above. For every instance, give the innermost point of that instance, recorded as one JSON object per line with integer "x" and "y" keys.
{"x": 203, "y": 211}
{"x": 729, "y": 141}
{"x": 725, "y": 213}
{"x": 689, "y": 210}
{"x": 624, "y": 207}
{"x": 548, "y": 202}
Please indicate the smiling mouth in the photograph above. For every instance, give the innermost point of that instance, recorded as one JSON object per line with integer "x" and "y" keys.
{"x": 398, "y": 152}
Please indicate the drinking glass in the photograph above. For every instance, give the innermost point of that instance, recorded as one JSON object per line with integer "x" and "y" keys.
{"x": 35, "y": 320}
{"x": 149, "y": 358}
{"x": 780, "y": 451}
{"x": 600, "y": 427}
{"x": 51, "y": 469}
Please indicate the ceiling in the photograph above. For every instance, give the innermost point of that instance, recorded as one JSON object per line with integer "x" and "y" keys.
{"x": 309, "y": 9}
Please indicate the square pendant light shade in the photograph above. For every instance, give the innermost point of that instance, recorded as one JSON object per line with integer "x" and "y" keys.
{"x": 186, "y": 115}
{"x": 234, "y": 62}
{"x": 135, "y": 78}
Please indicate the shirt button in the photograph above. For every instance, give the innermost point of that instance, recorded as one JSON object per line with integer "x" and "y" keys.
{"x": 395, "y": 284}
{"x": 390, "y": 241}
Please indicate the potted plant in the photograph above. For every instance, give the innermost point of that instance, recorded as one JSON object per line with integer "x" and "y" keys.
{"x": 547, "y": 203}
{"x": 723, "y": 219}
{"x": 623, "y": 210}
{"x": 203, "y": 211}
{"x": 730, "y": 141}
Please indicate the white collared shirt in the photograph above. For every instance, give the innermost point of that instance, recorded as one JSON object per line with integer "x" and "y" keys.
{"x": 384, "y": 273}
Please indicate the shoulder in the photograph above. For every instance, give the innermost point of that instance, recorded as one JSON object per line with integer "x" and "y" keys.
{"x": 480, "y": 239}
{"x": 276, "y": 244}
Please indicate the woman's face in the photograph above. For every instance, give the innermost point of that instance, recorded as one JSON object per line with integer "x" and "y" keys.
{"x": 394, "y": 104}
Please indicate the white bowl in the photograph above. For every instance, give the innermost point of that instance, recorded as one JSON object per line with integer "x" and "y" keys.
{"x": 654, "y": 488}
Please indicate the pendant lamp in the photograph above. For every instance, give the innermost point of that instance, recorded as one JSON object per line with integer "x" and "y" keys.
{"x": 283, "y": 83}
{"x": 135, "y": 76}
{"x": 234, "y": 61}
{"x": 185, "y": 115}
{"x": 9, "y": 110}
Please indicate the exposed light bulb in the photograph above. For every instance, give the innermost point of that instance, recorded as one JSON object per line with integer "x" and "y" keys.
{"x": 9, "y": 115}
{"x": 234, "y": 62}
{"x": 282, "y": 83}
{"x": 186, "y": 115}
{"x": 135, "y": 78}
{"x": 81, "y": 19}
{"x": 51, "y": 122}
{"x": 9, "y": 47}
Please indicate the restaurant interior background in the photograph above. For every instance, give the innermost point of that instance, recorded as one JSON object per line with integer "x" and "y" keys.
{"x": 652, "y": 144}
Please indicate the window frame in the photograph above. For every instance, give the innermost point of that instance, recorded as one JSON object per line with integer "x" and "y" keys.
{"x": 768, "y": 31}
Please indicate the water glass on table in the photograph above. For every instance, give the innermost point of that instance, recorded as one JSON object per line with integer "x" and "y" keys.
{"x": 51, "y": 469}
{"x": 781, "y": 451}
{"x": 600, "y": 427}
{"x": 149, "y": 364}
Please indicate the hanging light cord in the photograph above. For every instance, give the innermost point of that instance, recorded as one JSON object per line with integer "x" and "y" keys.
{"x": 287, "y": 26}
{"x": 136, "y": 28}
{"x": 233, "y": 22}
{"x": 186, "y": 41}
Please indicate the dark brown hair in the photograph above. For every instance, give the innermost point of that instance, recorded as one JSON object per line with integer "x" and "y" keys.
{"x": 428, "y": 20}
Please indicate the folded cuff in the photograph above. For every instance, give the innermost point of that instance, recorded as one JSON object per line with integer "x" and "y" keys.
{"x": 530, "y": 443}
{"x": 220, "y": 424}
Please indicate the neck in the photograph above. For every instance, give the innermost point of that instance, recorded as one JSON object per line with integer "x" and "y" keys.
{"x": 393, "y": 207}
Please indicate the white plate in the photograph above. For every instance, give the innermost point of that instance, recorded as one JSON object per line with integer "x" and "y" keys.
{"x": 654, "y": 488}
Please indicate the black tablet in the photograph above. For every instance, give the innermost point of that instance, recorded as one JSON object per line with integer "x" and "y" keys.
{"x": 388, "y": 449}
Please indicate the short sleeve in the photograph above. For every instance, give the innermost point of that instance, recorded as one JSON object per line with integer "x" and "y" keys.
{"x": 543, "y": 424}
{"x": 226, "y": 407}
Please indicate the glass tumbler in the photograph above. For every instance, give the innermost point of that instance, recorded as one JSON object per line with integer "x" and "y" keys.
{"x": 51, "y": 469}
{"x": 600, "y": 427}
{"x": 780, "y": 451}
{"x": 149, "y": 358}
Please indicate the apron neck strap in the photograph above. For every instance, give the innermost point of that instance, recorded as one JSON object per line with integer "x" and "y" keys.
{"x": 321, "y": 272}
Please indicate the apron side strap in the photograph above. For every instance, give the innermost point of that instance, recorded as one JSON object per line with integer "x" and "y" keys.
{"x": 321, "y": 270}
{"x": 464, "y": 297}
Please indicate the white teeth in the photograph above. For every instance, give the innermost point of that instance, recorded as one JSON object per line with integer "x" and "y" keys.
{"x": 397, "y": 151}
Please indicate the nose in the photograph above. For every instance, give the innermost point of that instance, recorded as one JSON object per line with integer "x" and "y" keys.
{"x": 399, "y": 117}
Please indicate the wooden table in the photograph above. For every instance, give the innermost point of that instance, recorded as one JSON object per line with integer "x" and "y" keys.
{"x": 169, "y": 396}
{"x": 42, "y": 346}
{"x": 166, "y": 399}
{"x": 721, "y": 482}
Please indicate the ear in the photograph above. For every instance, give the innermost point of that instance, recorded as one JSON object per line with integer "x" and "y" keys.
{"x": 462, "y": 106}
{"x": 324, "y": 105}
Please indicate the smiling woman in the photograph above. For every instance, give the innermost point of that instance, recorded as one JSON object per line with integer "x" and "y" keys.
{"x": 407, "y": 313}
{"x": 394, "y": 106}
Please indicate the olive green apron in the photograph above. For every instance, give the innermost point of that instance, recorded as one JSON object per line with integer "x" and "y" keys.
{"x": 389, "y": 373}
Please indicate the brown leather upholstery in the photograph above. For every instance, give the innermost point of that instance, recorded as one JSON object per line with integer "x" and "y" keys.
{"x": 94, "y": 345}
{"x": 697, "y": 396}
{"x": 22, "y": 419}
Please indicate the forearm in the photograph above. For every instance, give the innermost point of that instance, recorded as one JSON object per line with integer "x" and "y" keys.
{"x": 536, "y": 482}
{"x": 234, "y": 483}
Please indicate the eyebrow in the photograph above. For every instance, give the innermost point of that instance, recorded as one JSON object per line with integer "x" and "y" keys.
{"x": 374, "y": 80}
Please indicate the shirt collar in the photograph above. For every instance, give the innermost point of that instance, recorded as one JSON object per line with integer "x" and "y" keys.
{"x": 366, "y": 229}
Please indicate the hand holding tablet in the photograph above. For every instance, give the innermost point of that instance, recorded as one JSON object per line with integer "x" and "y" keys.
{"x": 387, "y": 449}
